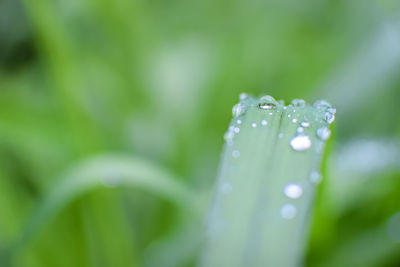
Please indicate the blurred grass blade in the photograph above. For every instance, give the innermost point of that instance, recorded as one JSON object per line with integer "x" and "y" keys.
{"x": 266, "y": 184}
{"x": 110, "y": 171}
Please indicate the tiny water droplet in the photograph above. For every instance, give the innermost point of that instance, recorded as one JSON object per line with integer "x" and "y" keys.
{"x": 298, "y": 103}
{"x": 300, "y": 129}
{"x": 329, "y": 117}
{"x": 281, "y": 102}
{"x": 238, "y": 110}
{"x": 293, "y": 191}
{"x": 239, "y": 121}
{"x": 300, "y": 142}
{"x": 264, "y": 122}
{"x": 315, "y": 177}
{"x": 267, "y": 102}
{"x": 305, "y": 124}
{"x": 289, "y": 115}
{"x": 236, "y": 130}
{"x": 280, "y": 135}
{"x": 242, "y": 96}
{"x": 285, "y": 107}
{"x": 270, "y": 113}
{"x": 294, "y": 120}
{"x": 254, "y": 125}
{"x": 288, "y": 211}
{"x": 235, "y": 153}
{"x": 226, "y": 188}
{"x": 323, "y": 133}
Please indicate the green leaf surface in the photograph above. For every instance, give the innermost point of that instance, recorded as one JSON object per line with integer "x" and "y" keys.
{"x": 266, "y": 183}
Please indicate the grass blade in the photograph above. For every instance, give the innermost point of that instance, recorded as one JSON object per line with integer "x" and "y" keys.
{"x": 109, "y": 171}
{"x": 266, "y": 183}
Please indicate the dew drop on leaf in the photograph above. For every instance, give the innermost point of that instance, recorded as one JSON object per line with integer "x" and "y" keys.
{"x": 267, "y": 102}
{"x": 323, "y": 133}
{"x": 300, "y": 142}
{"x": 288, "y": 211}
{"x": 305, "y": 124}
{"x": 238, "y": 109}
{"x": 299, "y": 103}
{"x": 293, "y": 191}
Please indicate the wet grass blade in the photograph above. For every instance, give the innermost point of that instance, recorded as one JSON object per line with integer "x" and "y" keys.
{"x": 266, "y": 184}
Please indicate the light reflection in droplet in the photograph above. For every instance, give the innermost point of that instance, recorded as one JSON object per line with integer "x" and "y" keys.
{"x": 293, "y": 191}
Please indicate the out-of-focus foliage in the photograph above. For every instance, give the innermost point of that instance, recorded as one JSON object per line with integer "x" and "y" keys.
{"x": 155, "y": 80}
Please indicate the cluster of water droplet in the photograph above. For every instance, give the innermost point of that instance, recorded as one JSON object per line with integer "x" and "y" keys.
{"x": 300, "y": 142}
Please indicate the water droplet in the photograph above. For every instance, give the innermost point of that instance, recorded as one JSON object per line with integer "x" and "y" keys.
{"x": 300, "y": 130}
{"x": 305, "y": 124}
{"x": 331, "y": 110}
{"x": 238, "y": 110}
{"x": 294, "y": 120}
{"x": 267, "y": 102}
{"x": 322, "y": 105}
{"x": 285, "y": 107}
{"x": 264, "y": 122}
{"x": 300, "y": 142}
{"x": 226, "y": 188}
{"x": 289, "y": 115}
{"x": 323, "y": 133}
{"x": 229, "y": 135}
{"x": 288, "y": 211}
{"x": 329, "y": 117}
{"x": 315, "y": 177}
{"x": 293, "y": 191}
{"x": 236, "y": 130}
{"x": 280, "y": 135}
{"x": 239, "y": 121}
{"x": 242, "y": 96}
{"x": 298, "y": 103}
{"x": 254, "y": 125}
{"x": 281, "y": 102}
{"x": 235, "y": 153}
{"x": 270, "y": 113}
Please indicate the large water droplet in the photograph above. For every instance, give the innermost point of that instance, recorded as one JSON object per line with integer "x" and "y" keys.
{"x": 299, "y": 103}
{"x": 323, "y": 133}
{"x": 238, "y": 110}
{"x": 315, "y": 177}
{"x": 288, "y": 211}
{"x": 300, "y": 142}
{"x": 293, "y": 191}
{"x": 267, "y": 102}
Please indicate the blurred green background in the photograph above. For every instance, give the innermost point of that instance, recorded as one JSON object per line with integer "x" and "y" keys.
{"x": 153, "y": 82}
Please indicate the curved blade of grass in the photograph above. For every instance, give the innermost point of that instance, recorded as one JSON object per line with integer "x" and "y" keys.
{"x": 252, "y": 222}
{"x": 109, "y": 171}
